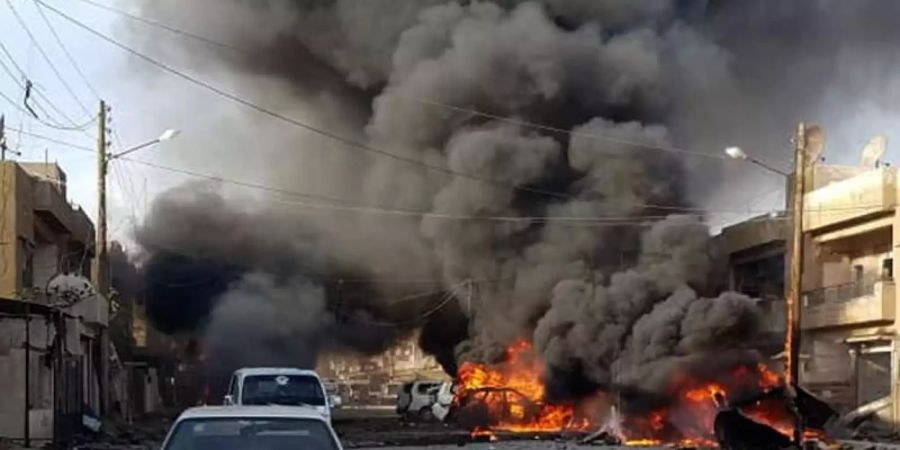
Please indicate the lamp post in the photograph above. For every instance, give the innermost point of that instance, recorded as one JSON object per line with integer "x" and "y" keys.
{"x": 101, "y": 263}
{"x": 792, "y": 299}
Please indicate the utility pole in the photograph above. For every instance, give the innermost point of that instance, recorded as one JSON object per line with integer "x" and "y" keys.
{"x": 101, "y": 262}
{"x": 2, "y": 138}
{"x": 4, "y": 149}
{"x": 792, "y": 302}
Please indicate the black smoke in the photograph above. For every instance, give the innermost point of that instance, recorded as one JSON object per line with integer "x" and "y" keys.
{"x": 572, "y": 243}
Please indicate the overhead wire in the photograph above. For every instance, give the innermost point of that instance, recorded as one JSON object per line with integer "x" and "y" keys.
{"x": 18, "y": 81}
{"x": 65, "y": 50}
{"x": 46, "y": 57}
{"x": 346, "y": 205}
{"x": 431, "y": 102}
{"x": 166, "y": 27}
{"x": 347, "y": 141}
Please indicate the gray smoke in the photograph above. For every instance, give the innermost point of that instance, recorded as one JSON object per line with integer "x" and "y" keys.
{"x": 289, "y": 318}
{"x": 613, "y": 299}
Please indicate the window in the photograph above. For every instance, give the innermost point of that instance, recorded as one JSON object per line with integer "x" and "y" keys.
{"x": 425, "y": 388}
{"x": 251, "y": 433}
{"x": 232, "y": 388}
{"x": 282, "y": 390}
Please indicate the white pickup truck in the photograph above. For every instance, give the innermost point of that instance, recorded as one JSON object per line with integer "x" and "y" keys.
{"x": 283, "y": 386}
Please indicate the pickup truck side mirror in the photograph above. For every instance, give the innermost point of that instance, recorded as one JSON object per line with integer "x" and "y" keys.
{"x": 228, "y": 400}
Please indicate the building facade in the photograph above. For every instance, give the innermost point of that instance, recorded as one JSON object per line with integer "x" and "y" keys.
{"x": 41, "y": 234}
{"x": 375, "y": 380}
{"x": 849, "y": 332}
{"x": 51, "y": 319}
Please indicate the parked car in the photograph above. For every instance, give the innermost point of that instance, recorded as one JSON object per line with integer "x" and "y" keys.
{"x": 278, "y": 386}
{"x": 334, "y": 395}
{"x": 251, "y": 428}
{"x": 415, "y": 398}
{"x": 443, "y": 400}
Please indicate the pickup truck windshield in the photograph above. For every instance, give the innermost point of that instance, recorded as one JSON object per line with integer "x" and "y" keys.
{"x": 282, "y": 390}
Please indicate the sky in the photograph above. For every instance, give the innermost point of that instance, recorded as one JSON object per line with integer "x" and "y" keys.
{"x": 141, "y": 108}
{"x": 107, "y": 69}
{"x": 144, "y": 106}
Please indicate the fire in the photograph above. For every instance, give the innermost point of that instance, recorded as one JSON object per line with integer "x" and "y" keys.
{"x": 513, "y": 395}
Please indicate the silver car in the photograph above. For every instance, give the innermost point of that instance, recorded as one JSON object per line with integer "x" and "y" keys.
{"x": 251, "y": 428}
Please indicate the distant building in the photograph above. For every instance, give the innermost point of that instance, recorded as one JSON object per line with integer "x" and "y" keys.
{"x": 849, "y": 301}
{"x": 375, "y": 380}
{"x": 45, "y": 256}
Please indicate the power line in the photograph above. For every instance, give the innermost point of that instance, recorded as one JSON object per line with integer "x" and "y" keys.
{"x": 21, "y": 86}
{"x": 510, "y": 120}
{"x": 53, "y": 140}
{"x": 46, "y": 57}
{"x": 66, "y": 51}
{"x": 346, "y": 205}
{"x": 558, "y": 130}
{"x": 349, "y": 142}
{"x": 166, "y": 27}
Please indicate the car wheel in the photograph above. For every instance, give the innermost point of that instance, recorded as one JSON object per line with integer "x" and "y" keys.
{"x": 425, "y": 414}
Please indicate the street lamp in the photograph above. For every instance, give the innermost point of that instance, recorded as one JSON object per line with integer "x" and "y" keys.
{"x": 806, "y": 137}
{"x": 167, "y": 135}
{"x": 738, "y": 154}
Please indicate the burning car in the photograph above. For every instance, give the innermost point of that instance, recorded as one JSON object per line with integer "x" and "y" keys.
{"x": 494, "y": 407}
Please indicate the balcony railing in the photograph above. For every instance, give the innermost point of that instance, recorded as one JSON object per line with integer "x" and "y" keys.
{"x": 865, "y": 301}
{"x": 841, "y": 292}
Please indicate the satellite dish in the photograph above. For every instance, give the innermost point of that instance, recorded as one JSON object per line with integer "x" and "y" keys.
{"x": 873, "y": 151}
{"x": 65, "y": 290}
{"x": 815, "y": 143}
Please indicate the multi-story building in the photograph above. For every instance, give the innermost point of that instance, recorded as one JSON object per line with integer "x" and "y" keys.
{"x": 375, "y": 380}
{"x": 41, "y": 234}
{"x": 849, "y": 332}
{"x": 51, "y": 319}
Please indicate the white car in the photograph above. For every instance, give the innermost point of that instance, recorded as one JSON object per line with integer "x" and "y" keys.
{"x": 333, "y": 393}
{"x": 278, "y": 386}
{"x": 443, "y": 400}
{"x": 415, "y": 398}
{"x": 251, "y": 428}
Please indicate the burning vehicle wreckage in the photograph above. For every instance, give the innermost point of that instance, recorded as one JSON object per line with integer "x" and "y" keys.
{"x": 509, "y": 400}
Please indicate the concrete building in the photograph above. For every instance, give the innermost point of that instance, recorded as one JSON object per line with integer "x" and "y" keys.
{"x": 375, "y": 380}
{"x": 849, "y": 341}
{"x": 41, "y": 234}
{"x": 51, "y": 372}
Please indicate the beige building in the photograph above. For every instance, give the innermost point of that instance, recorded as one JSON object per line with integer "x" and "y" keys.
{"x": 41, "y": 234}
{"x": 51, "y": 318}
{"x": 375, "y": 380}
{"x": 849, "y": 349}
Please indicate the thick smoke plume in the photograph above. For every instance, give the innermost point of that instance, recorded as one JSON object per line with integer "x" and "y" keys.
{"x": 610, "y": 289}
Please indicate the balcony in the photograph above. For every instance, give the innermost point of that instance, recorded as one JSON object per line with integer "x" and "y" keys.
{"x": 52, "y": 207}
{"x": 863, "y": 302}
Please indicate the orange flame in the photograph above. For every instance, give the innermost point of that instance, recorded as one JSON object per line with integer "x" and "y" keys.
{"x": 522, "y": 406}
{"x": 514, "y": 396}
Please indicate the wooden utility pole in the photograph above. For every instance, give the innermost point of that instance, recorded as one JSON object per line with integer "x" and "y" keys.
{"x": 4, "y": 149}
{"x": 2, "y": 138}
{"x": 101, "y": 262}
{"x": 792, "y": 302}
{"x": 101, "y": 267}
